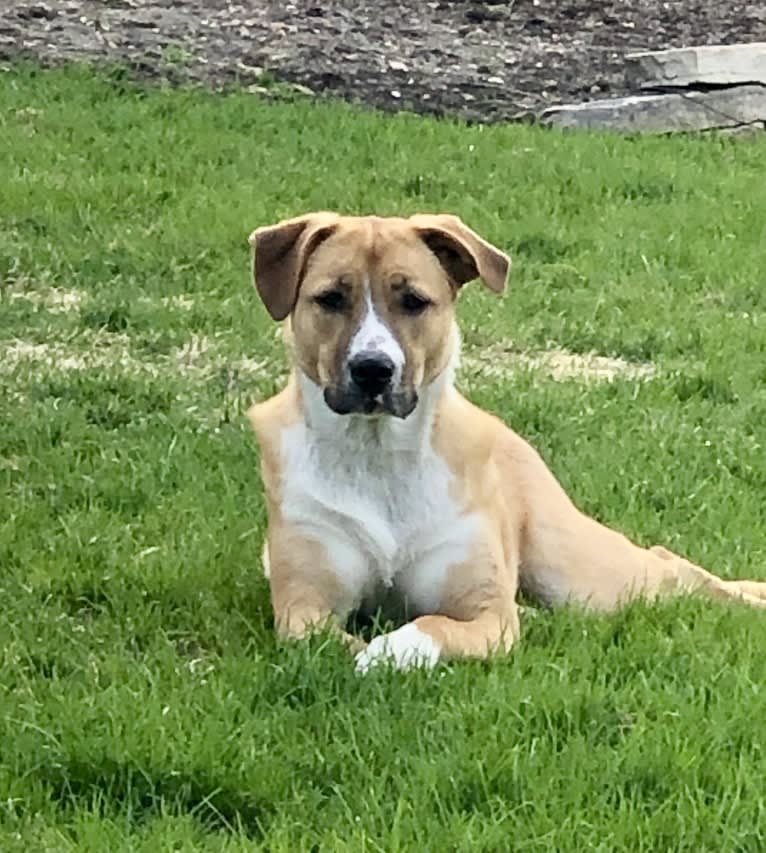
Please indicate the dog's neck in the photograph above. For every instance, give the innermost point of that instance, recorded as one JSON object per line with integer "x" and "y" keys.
{"x": 380, "y": 432}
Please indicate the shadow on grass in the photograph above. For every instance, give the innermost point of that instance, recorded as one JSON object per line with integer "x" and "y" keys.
{"x": 147, "y": 792}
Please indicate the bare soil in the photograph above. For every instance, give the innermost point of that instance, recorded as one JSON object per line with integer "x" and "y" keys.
{"x": 481, "y": 61}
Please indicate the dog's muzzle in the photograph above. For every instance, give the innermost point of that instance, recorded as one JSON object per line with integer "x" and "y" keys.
{"x": 369, "y": 389}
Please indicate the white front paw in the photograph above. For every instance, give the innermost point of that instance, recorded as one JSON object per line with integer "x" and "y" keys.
{"x": 405, "y": 648}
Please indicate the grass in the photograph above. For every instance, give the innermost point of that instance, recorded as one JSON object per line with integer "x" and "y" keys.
{"x": 144, "y": 701}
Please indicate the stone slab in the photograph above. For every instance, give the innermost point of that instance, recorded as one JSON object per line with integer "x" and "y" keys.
{"x": 664, "y": 113}
{"x": 714, "y": 65}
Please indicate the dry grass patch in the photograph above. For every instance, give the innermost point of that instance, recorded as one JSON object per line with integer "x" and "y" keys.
{"x": 500, "y": 360}
{"x": 61, "y": 300}
{"x": 200, "y": 356}
{"x": 56, "y": 299}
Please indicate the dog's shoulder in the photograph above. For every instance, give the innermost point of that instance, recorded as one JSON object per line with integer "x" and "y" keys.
{"x": 269, "y": 419}
{"x": 465, "y": 434}
{"x": 488, "y": 458}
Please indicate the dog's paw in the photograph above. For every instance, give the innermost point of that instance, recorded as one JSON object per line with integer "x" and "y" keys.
{"x": 406, "y": 648}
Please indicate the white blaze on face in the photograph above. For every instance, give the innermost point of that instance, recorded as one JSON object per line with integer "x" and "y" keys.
{"x": 374, "y": 336}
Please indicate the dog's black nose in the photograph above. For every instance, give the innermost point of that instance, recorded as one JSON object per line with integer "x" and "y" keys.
{"x": 371, "y": 372}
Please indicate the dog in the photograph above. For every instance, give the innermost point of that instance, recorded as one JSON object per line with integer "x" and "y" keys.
{"x": 385, "y": 487}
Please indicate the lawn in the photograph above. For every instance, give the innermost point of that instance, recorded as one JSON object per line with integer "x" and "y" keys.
{"x": 145, "y": 703}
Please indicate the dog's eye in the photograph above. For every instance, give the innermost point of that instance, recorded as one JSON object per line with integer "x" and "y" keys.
{"x": 414, "y": 303}
{"x": 331, "y": 300}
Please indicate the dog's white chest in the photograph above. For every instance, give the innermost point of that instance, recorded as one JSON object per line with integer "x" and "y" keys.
{"x": 383, "y": 513}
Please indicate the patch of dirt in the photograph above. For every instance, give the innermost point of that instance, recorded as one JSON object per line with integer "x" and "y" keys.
{"x": 478, "y": 60}
{"x": 500, "y": 360}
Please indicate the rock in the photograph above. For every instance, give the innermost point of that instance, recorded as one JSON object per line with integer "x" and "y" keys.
{"x": 37, "y": 10}
{"x": 664, "y": 113}
{"x": 300, "y": 89}
{"x": 716, "y": 65}
{"x": 741, "y": 131}
{"x": 254, "y": 70}
{"x": 481, "y": 14}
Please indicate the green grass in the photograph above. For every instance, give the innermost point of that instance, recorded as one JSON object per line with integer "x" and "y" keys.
{"x": 144, "y": 701}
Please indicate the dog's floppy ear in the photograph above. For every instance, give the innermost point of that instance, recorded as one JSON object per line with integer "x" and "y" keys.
{"x": 463, "y": 254}
{"x": 280, "y": 254}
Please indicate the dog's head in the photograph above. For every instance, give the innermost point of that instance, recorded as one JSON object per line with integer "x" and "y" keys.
{"x": 371, "y": 300}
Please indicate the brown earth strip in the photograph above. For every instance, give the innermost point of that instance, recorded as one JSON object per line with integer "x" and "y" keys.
{"x": 477, "y": 60}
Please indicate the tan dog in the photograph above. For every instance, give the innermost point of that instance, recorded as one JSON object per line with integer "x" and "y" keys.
{"x": 386, "y": 486}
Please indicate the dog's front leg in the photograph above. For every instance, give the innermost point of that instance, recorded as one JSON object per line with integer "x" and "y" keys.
{"x": 476, "y": 614}
{"x": 306, "y": 594}
{"x": 422, "y": 642}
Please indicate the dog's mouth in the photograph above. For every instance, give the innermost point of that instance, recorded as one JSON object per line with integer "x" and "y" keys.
{"x": 352, "y": 401}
